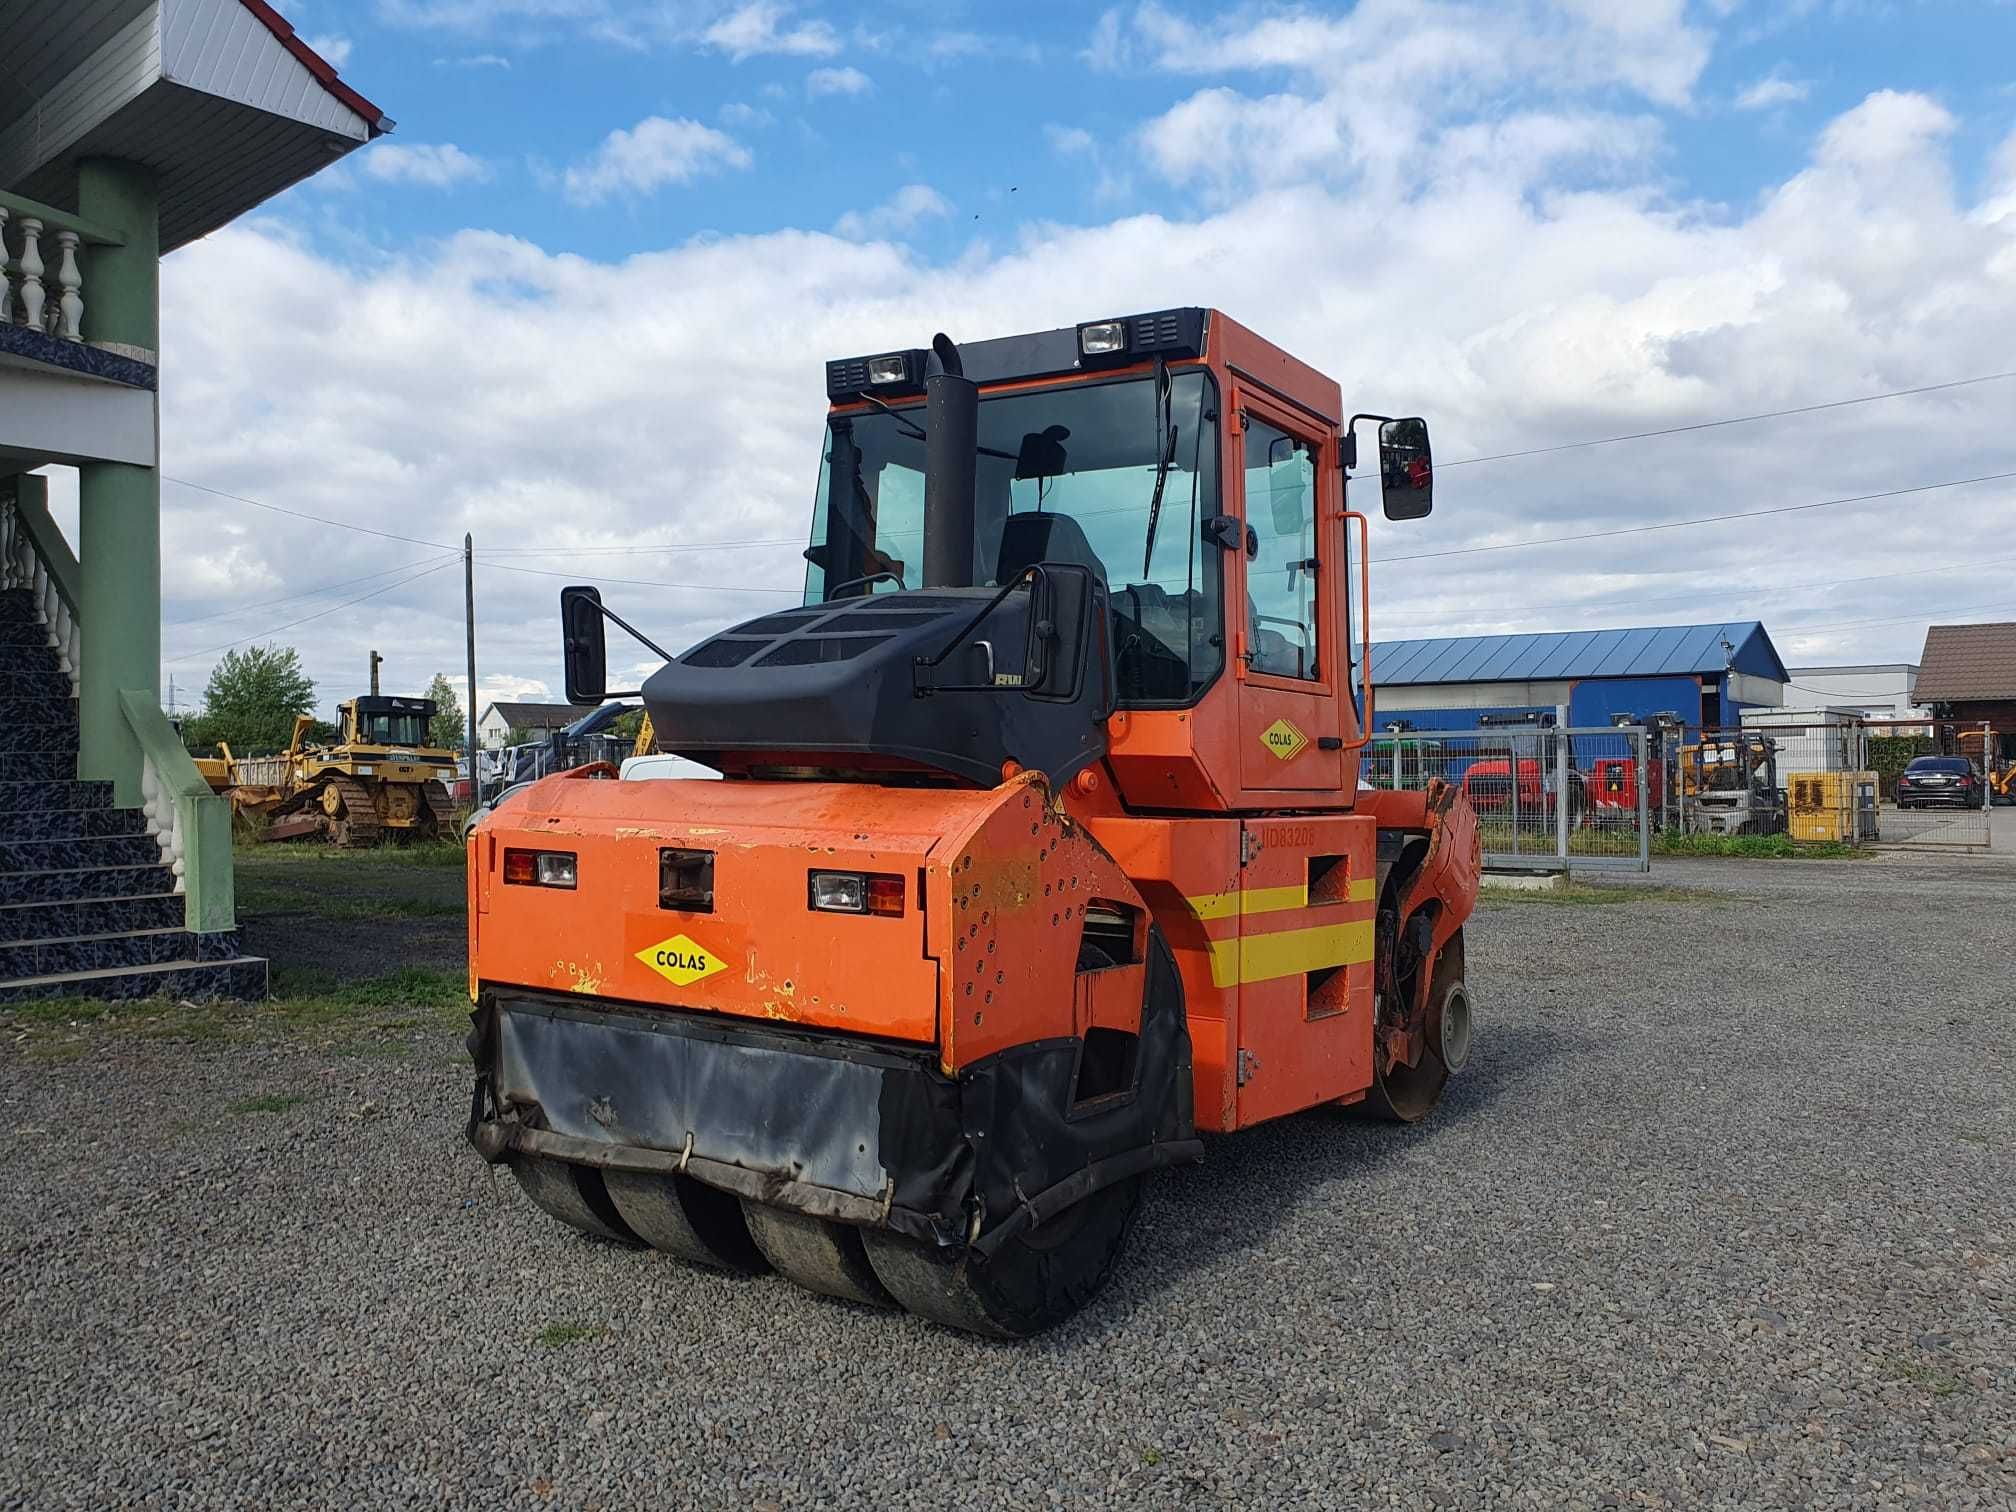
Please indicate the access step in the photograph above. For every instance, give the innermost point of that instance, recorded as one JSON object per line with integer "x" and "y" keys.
{"x": 240, "y": 978}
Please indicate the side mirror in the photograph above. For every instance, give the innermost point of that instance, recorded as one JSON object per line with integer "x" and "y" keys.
{"x": 583, "y": 649}
{"x": 1064, "y": 604}
{"x": 1406, "y": 469}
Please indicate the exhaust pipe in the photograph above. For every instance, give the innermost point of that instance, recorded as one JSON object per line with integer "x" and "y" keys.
{"x": 951, "y": 465}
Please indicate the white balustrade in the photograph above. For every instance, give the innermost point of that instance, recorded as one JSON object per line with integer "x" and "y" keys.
{"x": 67, "y": 319}
{"x": 51, "y": 303}
{"x": 21, "y": 566}
{"x": 30, "y": 265}
{"x": 164, "y": 822}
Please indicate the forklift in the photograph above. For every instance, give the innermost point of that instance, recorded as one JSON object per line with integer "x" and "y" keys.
{"x": 1730, "y": 785}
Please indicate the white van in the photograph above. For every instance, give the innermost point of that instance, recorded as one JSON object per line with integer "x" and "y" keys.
{"x": 659, "y": 766}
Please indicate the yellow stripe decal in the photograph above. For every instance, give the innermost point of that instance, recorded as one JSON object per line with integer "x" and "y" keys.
{"x": 1289, "y": 952}
{"x": 1260, "y": 900}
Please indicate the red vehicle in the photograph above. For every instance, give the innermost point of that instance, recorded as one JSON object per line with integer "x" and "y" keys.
{"x": 1613, "y": 785}
{"x": 1488, "y": 786}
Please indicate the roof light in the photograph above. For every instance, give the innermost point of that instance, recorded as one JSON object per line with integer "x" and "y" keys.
{"x": 1103, "y": 337}
{"x": 894, "y": 368}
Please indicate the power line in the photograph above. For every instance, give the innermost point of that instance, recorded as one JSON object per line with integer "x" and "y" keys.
{"x": 640, "y": 582}
{"x": 306, "y": 593}
{"x": 1701, "y": 425}
{"x": 303, "y": 515}
{"x": 658, "y": 550}
{"x": 1904, "y": 619}
{"x": 319, "y": 614}
{"x": 1849, "y": 692}
{"x": 1634, "y": 600}
{"x": 1741, "y": 514}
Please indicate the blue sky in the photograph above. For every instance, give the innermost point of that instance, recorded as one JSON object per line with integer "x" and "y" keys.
{"x": 578, "y": 303}
{"x": 840, "y": 107}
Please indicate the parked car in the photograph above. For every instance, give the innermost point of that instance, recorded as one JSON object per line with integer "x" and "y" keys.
{"x": 1952, "y": 781}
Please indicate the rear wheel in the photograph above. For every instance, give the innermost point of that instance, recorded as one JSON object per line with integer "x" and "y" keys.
{"x": 573, "y": 1194}
{"x": 1033, "y": 1282}
{"x": 818, "y": 1254}
{"x": 1408, "y": 1094}
{"x": 676, "y": 1214}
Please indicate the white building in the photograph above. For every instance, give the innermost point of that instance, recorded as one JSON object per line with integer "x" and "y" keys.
{"x": 1880, "y": 691}
{"x": 495, "y": 724}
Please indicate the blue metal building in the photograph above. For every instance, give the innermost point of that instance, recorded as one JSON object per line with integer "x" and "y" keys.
{"x": 1706, "y": 674}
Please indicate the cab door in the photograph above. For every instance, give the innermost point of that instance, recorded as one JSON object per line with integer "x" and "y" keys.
{"x": 1285, "y": 645}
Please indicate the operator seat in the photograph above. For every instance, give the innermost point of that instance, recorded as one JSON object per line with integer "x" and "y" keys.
{"x": 1029, "y": 538}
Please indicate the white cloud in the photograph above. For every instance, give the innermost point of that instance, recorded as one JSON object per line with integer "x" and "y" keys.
{"x": 737, "y": 113}
{"x": 475, "y": 60}
{"x": 837, "y": 81}
{"x": 648, "y": 156}
{"x": 438, "y": 165}
{"x": 1068, "y": 141}
{"x": 1107, "y": 48}
{"x": 677, "y": 396}
{"x": 1366, "y": 94}
{"x": 905, "y": 210}
{"x": 765, "y": 26}
{"x": 1774, "y": 89}
{"x": 334, "y": 50}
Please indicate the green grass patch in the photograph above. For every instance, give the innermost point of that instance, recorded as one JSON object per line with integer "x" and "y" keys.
{"x": 255, "y": 901}
{"x": 272, "y": 1102}
{"x": 1904, "y": 1367}
{"x": 560, "y": 1335}
{"x": 1587, "y": 895}
{"x": 290, "y": 853}
{"x": 1754, "y": 847}
{"x": 353, "y": 1017}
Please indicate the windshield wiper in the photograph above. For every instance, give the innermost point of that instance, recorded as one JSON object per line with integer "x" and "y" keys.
{"x": 1165, "y": 436}
{"x": 908, "y": 426}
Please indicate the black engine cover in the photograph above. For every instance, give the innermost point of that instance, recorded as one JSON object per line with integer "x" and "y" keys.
{"x": 839, "y": 686}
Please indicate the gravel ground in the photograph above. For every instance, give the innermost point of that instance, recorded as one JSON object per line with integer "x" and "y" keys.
{"x": 1720, "y": 1216}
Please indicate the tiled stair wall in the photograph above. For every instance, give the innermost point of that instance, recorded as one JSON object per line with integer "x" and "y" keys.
{"x": 86, "y": 907}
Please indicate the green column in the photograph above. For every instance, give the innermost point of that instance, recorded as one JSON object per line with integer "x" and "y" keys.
{"x": 119, "y": 506}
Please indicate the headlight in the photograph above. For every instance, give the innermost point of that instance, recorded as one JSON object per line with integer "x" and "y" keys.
{"x": 857, "y": 893}
{"x": 1102, "y": 337}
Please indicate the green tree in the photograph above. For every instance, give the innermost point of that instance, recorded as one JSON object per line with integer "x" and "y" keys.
{"x": 448, "y": 728}
{"x": 251, "y": 700}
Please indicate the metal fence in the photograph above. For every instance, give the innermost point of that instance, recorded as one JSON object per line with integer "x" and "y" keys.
{"x": 1841, "y": 780}
{"x": 1834, "y": 781}
{"x": 1547, "y": 796}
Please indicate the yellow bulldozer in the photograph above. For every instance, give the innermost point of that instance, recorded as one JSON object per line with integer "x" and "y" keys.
{"x": 381, "y": 779}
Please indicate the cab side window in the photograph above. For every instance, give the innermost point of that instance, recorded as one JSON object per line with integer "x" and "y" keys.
{"x": 1281, "y": 576}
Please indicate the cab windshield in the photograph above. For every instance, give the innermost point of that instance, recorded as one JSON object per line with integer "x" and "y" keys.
{"x": 394, "y": 729}
{"x": 1087, "y": 450}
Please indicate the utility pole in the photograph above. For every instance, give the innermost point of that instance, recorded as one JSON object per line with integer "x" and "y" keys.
{"x": 375, "y": 660}
{"x": 469, "y": 624}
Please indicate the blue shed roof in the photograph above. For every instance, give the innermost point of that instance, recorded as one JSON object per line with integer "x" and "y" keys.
{"x": 1654, "y": 651}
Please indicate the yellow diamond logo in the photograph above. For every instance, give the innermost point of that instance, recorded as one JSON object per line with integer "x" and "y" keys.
{"x": 1284, "y": 740}
{"x": 681, "y": 960}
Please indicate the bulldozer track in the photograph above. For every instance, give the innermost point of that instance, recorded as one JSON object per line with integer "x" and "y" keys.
{"x": 440, "y": 808}
{"x": 358, "y": 824}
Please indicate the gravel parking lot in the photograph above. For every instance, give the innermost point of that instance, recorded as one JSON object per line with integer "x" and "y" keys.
{"x": 1721, "y": 1216}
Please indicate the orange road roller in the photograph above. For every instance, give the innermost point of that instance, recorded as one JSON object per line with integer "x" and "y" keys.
{"x": 1040, "y": 847}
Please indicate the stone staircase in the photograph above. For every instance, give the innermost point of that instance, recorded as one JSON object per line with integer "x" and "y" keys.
{"x": 87, "y": 908}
